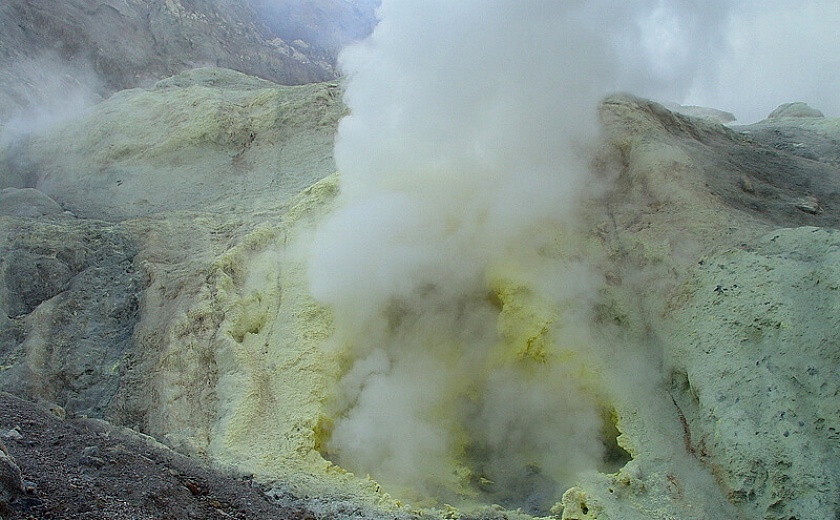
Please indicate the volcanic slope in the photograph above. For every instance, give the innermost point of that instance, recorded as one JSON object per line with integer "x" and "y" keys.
{"x": 171, "y": 296}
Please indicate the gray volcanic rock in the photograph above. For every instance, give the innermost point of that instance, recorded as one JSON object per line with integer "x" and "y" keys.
{"x": 57, "y": 55}
{"x": 129, "y": 42}
{"x": 11, "y": 482}
{"x": 815, "y": 139}
{"x": 69, "y": 295}
{"x": 325, "y": 24}
{"x": 795, "y": 109}
{"x": 27, "y": 202}
{"x": 78, "y": 467}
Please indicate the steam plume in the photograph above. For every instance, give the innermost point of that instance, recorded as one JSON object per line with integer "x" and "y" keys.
{"x": 466, "y": 147}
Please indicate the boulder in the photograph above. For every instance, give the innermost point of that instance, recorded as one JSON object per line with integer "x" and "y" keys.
{"x": 26, "y": 202}
{"x": 795, "y": 109}
{"x": 11, "y": 481}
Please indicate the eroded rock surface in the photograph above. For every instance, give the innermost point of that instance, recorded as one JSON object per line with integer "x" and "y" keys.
{"x": 70, "y": 295}
{"x": 174, "y": 299}
{"x": 208, "y": 139}
{"x": 129, "y": 43}
{"x": 753, "y": 348}
{"x": 701, "y": 278}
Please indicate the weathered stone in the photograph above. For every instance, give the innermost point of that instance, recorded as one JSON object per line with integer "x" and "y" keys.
{"x": 11, "y": 481}
{"x": 11, "y": 435}
{"x": 796, "y": 109}
{"x": 32, "y": 279}
{"x": 90, "y": 456}
{"x": 27, "y": 202}
{"x": 74, "y": 291}
{"x": 205, "y": 140}
{"x": 753, "y": 348}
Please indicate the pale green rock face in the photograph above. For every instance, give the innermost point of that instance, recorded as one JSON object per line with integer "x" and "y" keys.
{"x": 754, "y": 352}
{"x": 687, "y": 314}
{"x": 206, "y": 139}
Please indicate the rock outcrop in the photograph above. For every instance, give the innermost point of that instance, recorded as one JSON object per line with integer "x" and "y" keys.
{"x": 131, "y": 42}
{"x": 752, "y": 348}
{"x": 58, "y": 55}
{"x": 205, "y": 139}
{"x": 796, "y": 109}
{"x": 722, "y": 270}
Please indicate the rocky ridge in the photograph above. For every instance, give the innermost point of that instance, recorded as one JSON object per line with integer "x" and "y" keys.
{"x": 85, "y": 50}
{"x": 168, "y": 295}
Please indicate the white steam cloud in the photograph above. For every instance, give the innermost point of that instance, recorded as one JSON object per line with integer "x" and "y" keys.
{"x": 774, "y": 52}
{"x": 468, "y": 142}
{"x": 35, "y": 94}
{"x": 46, "y": 90}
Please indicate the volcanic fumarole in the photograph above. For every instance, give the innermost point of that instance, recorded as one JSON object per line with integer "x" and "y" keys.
{"x": 461, "y": 301}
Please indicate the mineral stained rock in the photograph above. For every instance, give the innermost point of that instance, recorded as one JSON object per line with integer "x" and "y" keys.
{"x": 205, "y": 139}
{"x": 753, "y": 350}
{"x": 169, "y": 295}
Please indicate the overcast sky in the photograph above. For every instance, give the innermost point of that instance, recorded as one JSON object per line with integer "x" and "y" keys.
{"x": 745, "y": 56}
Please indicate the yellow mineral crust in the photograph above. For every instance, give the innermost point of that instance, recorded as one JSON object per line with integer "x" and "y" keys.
{"x": 276, "y": 374}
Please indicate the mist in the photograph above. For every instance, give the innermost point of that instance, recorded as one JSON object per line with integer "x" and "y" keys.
{"x": 461, "y": 307}
{"x": 46, "y": 91}
{"x": 772, "y": 53}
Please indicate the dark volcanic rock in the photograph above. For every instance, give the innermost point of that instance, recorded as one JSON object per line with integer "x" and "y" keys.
{"x": 70, "y": 294}
{"x": 327, "y": 25}
{"x": 84, "y": 468}
{"x": 11, "y": 482}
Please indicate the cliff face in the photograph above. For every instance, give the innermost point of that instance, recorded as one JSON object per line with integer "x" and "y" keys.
{"x": 94, "y": 48}
{"x": 327, "y": 25}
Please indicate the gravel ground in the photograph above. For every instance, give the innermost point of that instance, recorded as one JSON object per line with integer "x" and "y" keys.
{"x": 87, "y": 469}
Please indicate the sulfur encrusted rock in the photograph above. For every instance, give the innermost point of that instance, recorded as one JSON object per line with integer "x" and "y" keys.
{"x": 174, "y": 300}
{"x": 754, "y": 350}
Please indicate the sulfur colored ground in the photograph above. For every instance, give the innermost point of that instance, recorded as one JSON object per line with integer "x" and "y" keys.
{"x": 183, "y": 311}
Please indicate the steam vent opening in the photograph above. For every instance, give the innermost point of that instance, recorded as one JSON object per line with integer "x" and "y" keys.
{"x": 510, "y": 419}
{"x": 512, "y": 476}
